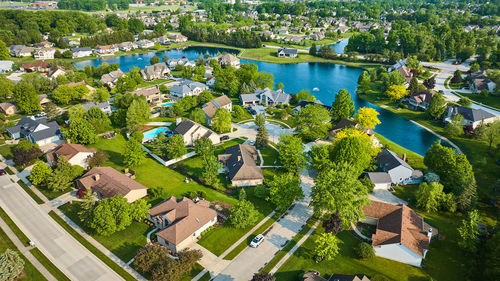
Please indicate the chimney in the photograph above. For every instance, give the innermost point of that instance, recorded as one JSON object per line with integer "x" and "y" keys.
{"x": 429, "y": 233}
{"x": 178, "y": 120}
{"x": 404, "y": 157}
{"x": 68, "y": 141}
{"x": 239, "y": 158}
{"x": 97, "y": 177}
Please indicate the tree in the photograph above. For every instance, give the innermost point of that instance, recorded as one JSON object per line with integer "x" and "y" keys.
{"x": 319, "y": 157}
{"x": 6, "y": 88}
{"x": 492, "y": 133}
{"x": 137, "y": 115}
{"x": 205, "y": 97}
{"x": 110, "y": 215}
{"x": 413, "y": 87}
{"x": 4, "y": 51}
{"x": 313, "y": 122}
{"x": 210, "y": 171}
{"x": 40, "y": 173}
{"x": 243, "y": 214}
{"x": 149, "y": 256}
{"x": 364, "y": 78}
{"x": 175, "y": 147}
{"x": 11, "y": 265}
{"x": 238, "y": 111}
{"x": 133, "y": 155}
{"x": 437, "y": 106}
{"x": 313, "y": 49}
{"x": 367, "y": 117}
{"x": 204, "y": 147}
{"x": 101, "y": 95}
{"x": 333, "y": 225}
{"x": 492, "y": 258}
{"x": 139, "y": 210}
{"x": 396, "y": 92}
{"x": 98, "y": 159}
{"x": 81, "y": 131}
{"x": 290, "y": 153}
{"x": 429, "y": 196}
{"x": 263, "y": 276}
{"x": 284, "y": 189}
{"x": 262, "y": 138}
{"x": 326, "y": 247}
{"x": 154, "y": 60}
{"x": 343, "y": 106}
{"x": 98, "y": 119}
{"x": 76, "y": 111}
{"x": 392, "y": 78}
{"x": 27, "y": 100}
{"x": 260, "y": 120}
{"x": 365, "y": 251}
{"x": 22, "y": 157}
{"x": 305, "y": 95}
{"x": 338, "y": 190}
{"x": 430, "y": 83}
{"x": 465, "y": 101}
{"x": 455, "y": 127}
{"x": 355, "y": 150}
{"x": 221, "y": 121}
{"x": 469, "y": 232}
{"x": 413, "y": 63}
{"x": 457, "y": 77}
{"x": 198, "y": 116}
{"x": 65, "y": 94}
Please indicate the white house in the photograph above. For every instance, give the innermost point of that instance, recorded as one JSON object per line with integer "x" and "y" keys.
{"x": 44, "y": 54}
{"x": 181, "y": 221}
{"x": 76, "y": 154}
{"x": 188, "y": 88}
{"x": 287, "y": 52}
{"x": 472, "y": 117}
{"x": 381, "y": 180}
{"x": 6, "y": 66}
{"x": 401, "y": 233}
{"x": 266, "y": 96}
{"x": 144, "y": 44}
{"x": 191, "y": 131}
{"x": 398, "y": 170}
{"x": 81, "y": 52}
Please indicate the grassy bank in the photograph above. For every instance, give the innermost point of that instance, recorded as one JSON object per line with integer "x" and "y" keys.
{"x": 22, "y": 237}
{"x": 493, "y": 101}
{"x": 30, "y": 192}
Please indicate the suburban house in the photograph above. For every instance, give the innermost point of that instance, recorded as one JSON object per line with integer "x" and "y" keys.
{"x": 419, "y": 101}
{"x": 44, "y": 54}
{"x": 108, "y": 182}
{"x": 177, "y": 38}
{"x": 23, "y": 51}
{"x": 400, "y": 66}
{"x": 239, "y": 160}
{"x": 188, "y": 88}
{"x": 162, "y": 40}
{"x": 109, "y": 80}
{"x": 401, "y": 233}
{"x": 44, "y": 44}
{"x": 8, "y": 108}
{"x": 152, "y": 95}
{"x": 181, "y": 221}
{"x": 155, "y": 71}
{"x": 227, "y": 59}
{"x": 104, "y": 106}
{"x": 72, "y": 42}
{"x": 39, "y": 131}
{"x": 266, "y": 96}
{"x": 38, "y": 66}
{"x": 144, "y": 44}
{"x": 478, "y": 81}
{"x": 303, "y": 103}
{"x": 282, "y": 31}
{"x": 472, "y": 117}
{"x": 312, "y": 275}
{"x": 44, "y": 99}
{"x": 80, "y": 52}
{"x": 191, "y": 131}
{"x": 172, "y": 63}
{"x": 293, "y": 39}
{"x": 287, "y": 52}
{"x": 381, "y": 180}
{"x": 398, "y": 170}
{"x": 211, "y": 107}
{"x": 6, "y": 66}
{"x": 58, "y": 70}
{"x": 106, "y": 49}
{"x": 317, "y": 36}
{"x": 127, "y": 46}
{"x": 76, "y": 154}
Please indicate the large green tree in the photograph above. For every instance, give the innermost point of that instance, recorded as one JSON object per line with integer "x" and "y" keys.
{"x": 367, "y": 117}
{"x": 313, "y": 122}
{"x": 326, "y": 247}
{"x": 4, "y": 51}
{"x": 137, "y": 115}
{"x": 110, "y": 215}
{"x": 469, "y": 232}
{"x": 343, "y": 106}
{"x": 40, "y": 173}
{"x": 11, "y": 265}
{"x": 221, "y": 121}
{"x": 262, "y": 137}
{"x": 284, "y": 189}
{"x": 243, "y": 214}
{"x": 81, "y": 131}
{"x": 291, "y": 153}
{"x": 27, "y": 100}
{"x": 175, "y": 147}
{"x": 437, "y": 106}
{"x": 355, "y": 150}
{"x": 133, "y": 155}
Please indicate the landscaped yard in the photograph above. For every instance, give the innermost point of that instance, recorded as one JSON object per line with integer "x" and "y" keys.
{"x": 490, "y": 100}
{"x": 6, "y": 151}
{"x": 270, "y": 156}
{"x": 124, "y": 244}
{"x": 52, "y": 194}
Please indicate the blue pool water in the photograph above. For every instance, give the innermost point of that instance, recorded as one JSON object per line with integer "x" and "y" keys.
{"x": 151, "y": 134}
{"x": 170, "y": 103}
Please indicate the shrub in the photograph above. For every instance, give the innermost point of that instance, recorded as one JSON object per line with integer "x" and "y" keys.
{"x": 365, "y": 251}
{"x": 261, "y": 191}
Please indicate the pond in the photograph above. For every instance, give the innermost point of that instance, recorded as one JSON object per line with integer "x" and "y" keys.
{"x": 328, "y": 78}
{"x": 340, "y": 46}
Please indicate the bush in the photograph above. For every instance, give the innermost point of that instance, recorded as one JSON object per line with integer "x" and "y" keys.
{"x": 365, "y": 251}
{"x": 261, "y": 191}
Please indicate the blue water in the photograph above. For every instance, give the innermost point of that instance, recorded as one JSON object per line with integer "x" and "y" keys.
{"x": 328, "y": 78}
{"x": 153, "y": 133}
{"x": 167, "y": 104}
{"x": 340, "y": 46}
{"x": 142, "y": 60}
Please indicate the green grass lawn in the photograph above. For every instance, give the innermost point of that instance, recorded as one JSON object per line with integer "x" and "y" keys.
{"x": 124, "y": 244}
{"x": 6, "y": 150}
{"x": 30, "y": 192}
{"x": 490, "y": 100}
{"x": 117, "y": 268}
{"x": 414, "y": 159}
{"x": 31, "y": 272}
{"x": 52, "y": 194}
{"x": 56, "y": 272}
{"x": 221, "y": 238}
{"x": 20, "y": 235}
{"x": 345, "y": 263}
{"x": 270, "y": 156}
{"x": 197, "y": 268}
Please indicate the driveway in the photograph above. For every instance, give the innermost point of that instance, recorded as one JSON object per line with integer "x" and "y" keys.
{"x": 386, "y": 196}
{"x": 251, "y": 260}
{"x": 55, "y": 243}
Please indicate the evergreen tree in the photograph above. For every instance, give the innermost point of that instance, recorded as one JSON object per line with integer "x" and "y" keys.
{"x": 343, "y": 106}
{"x": 262, "y": 138}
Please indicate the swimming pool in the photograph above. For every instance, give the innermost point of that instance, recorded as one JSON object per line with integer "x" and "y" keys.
{"x": 151, "y": 134}
{"x": 170, "y": 103}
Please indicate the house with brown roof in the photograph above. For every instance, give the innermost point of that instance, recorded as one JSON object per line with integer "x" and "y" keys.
{"x": 152, "y": 95}
{"x": 239, "y": 160}
{"x": 106, "y": 49}
{"x": 108, "y": 182}
{"x": 76, "y": 154}
{"x": 312, "y": 275}
{"x": 39, "y": 66}
{"x": 227, "y": 59}
{"x": 479, "y": 81}
{"x": 155, "y": 71}
{"x": 44, "y": 99}
{"x": 419, "y": 101}
{"x": 109, "y": 79}
{"x": 58, "y": 70}
{"x": 401, "y": 233}
{"x": 8, "y": 108}
{"x": 181, "y": 221}
{"x": 212, "y": 106}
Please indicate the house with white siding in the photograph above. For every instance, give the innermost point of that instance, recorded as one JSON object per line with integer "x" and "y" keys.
{"x": 191, "y": 131}
{"x": 396, "y": 167}
{"x": 76, "y": 154}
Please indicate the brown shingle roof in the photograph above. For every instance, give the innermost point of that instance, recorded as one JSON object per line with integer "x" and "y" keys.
{"x": 211, "y": 107}
{"x": 108, "y": 182}
{"x": 68, "y": 150}
{"x": 398, "y": 224}
{"x": 241, "y": 164}
{"x": 185, "y": 216}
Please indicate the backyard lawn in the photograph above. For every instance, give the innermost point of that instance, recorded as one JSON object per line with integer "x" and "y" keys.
{"x": 490, "y": 100}
{"x": 52, "y": 194}
{"x": 270, "y": 156}
{"x": 6, "y": 151}
{"x": 124, "y": 244}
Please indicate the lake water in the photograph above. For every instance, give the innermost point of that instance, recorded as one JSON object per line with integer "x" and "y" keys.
{"x": 328, "y": 78}
{"x": 340, "y": 46}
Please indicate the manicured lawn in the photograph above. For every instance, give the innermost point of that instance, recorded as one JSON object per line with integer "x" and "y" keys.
{"x": 30, "y": 192}
{"x": 10, "y": 171}
{"x": 52, "y": 194}
{"x": 197, "y": 268}
{"x": 145, "y": 84}
{"x": 245, "y": 116}
{"x": 22, "y": 237}
{"x": 490, "y": 100}
{"x": 6, "y": 151}
{"x": 124, "y": 244}
{"x": 58, "y": 274}
{"x": 221, "y": 238}
{"x": 414, "y": 159}
{"x": 124, "y": 274}
{"x": 270, "y": 156}
{"x": 31, "y": 272}
{"x": 152, "y": 174}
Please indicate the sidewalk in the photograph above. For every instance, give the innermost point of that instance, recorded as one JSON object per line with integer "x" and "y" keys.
{"x": 25, "y": 251}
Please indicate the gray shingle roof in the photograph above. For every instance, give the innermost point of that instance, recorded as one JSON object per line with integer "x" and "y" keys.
{"x": 390, "y": 160}
{"x": 39, "y": 129}
{"x": 184, "y": 126}
{"x": 379, "y": 177}
{"x": 473, "y": 114}
{"x": 241, "y": 164}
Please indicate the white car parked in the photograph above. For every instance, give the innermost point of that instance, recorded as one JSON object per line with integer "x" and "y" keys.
{"x": 257, "y": 241}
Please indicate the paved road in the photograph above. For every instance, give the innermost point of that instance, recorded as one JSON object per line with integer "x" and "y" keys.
{"x": 251, "y": 260}
{"x": 61, "y": 248}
